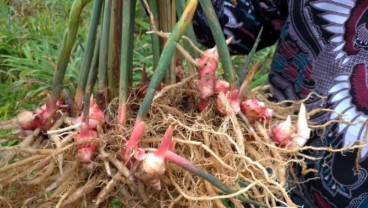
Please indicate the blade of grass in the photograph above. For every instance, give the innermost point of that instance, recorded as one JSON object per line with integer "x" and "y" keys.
{"x": 260, "y": 78}
{"x": 220, "y": 40}
{"x": 126, "y": 57}
{"x": 244, "y": 71}
{"x": 87, "y": 59}
{"x": 248, "y": 79}
{"x": 167, "y": 54}
{"x": 67, "y": 46}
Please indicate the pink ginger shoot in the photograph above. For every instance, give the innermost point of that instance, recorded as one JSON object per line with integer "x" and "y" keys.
{"x": 28, "y": 120}
{"x": 221, "y": 86}
{"x": 207, "y": 73}
{"x": 135, "y": 137}
{"x": 283, "y": 132}
{"x": 154, "y": 164}
{"x": 234, "y": 101}
{"x": 86, "y": 150}
{"x": 95, "y": 118}
{"x": 255, "y": 110}
{"x": 291, "y": 136}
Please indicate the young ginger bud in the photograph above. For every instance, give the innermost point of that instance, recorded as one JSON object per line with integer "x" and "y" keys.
{"x": 234, "y": 101}
{"x": 283, "y": 132}
{"x": 221, "y": 86}
{"x": 302, "y": 129}
{"x": 86, "y": 150}
{"x": 154, "y": 164}
{"x": 255, "y": 110}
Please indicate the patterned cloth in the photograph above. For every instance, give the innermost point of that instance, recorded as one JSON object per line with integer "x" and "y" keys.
{"x": 322, "y": 48}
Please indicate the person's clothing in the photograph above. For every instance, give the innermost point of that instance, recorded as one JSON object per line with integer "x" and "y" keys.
{"x": 322, "y": 48}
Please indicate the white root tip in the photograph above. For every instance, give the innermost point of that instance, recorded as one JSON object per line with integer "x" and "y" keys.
{"x": 228, "y": 41}
{"x": 303, "y": 131}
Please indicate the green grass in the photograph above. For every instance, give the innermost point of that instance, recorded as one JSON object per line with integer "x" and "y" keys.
{"x": 29, "y": 44}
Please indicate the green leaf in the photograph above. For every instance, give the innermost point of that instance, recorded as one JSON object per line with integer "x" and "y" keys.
{"x": 227, "y": 203}
{"x": 115, "y": 203}
{"x": 12, "y": 190}
{"x": 10, "y": 143}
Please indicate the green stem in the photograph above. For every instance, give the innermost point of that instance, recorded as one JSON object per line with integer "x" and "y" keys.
{"x": 165, "y": 26}
{"x": 155, "y": 38}
{"x": 115, "y": 52}
{"x": 244, "y": 71}
{"x": 104, "y": 50}
{"x": 180, "y": 5}
{"x": 172, "y": 22}
{"x": 67, "y": 46}
{"x": 218, "y": 35}
{"x": 163, "y": 17}
{"x": 167, "y": 54}
{"x": 126, "y": 56}
{"x": 86, "y": 64}
{"x": 184, "y": 163}
{"x": 92, "y": 77}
